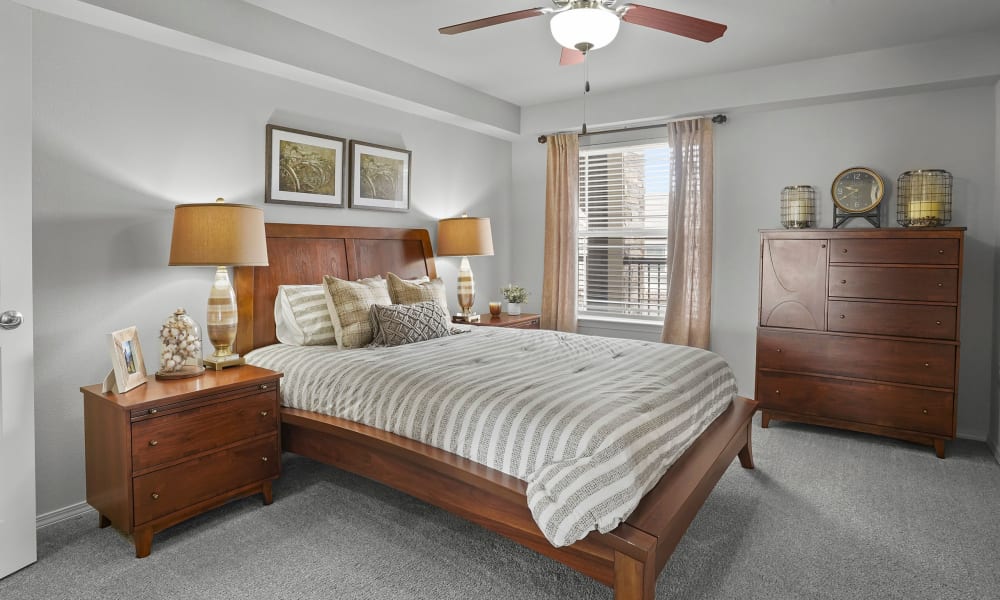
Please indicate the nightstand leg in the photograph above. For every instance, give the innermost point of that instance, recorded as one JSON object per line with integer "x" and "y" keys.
{"x": 143, "y": 541}
{"x": 265, "y": 490}
{"x": 103, "y": 522}
{"x": 765, "y": 419}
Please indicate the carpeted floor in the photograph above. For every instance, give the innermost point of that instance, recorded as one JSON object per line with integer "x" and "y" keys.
{"x": 827, "y": 514}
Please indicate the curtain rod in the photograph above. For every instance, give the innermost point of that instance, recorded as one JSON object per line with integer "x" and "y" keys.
{"x": 718, "y": 119}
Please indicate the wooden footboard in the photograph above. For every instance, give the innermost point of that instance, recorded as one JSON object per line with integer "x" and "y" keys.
{"x": 628, "y": 559}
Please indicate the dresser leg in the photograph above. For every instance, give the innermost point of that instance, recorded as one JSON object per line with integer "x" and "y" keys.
{"x": 765, "y": 419}
{"x": 143, "y": 538}
{"x": 103, "y": 522}
{"x": 939, "y": 448}
{"x": 265, "y": 490}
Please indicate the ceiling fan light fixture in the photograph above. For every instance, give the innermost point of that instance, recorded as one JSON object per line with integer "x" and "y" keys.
{"x": 585, "y": 28}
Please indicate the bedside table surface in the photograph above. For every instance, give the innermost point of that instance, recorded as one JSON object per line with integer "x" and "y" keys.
{"x": 156, "y": 390}
{"x": 504, "y": 320}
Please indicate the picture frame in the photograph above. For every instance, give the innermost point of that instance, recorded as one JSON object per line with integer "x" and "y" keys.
{"x": 304, "y": 168}
{"x": 380, "y": 177}
{"x": 128, "y": 366}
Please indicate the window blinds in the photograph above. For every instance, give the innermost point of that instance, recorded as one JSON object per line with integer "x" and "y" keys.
{"x": 622, "y": 231}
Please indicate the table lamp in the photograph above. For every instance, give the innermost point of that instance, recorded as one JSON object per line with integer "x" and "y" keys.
{"x": 219, "y": 235}
{"x": 465, "y": 236}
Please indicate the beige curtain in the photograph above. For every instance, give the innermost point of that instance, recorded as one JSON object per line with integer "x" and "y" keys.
{"x": 689, "y": 234}
{"x": 561, "y": 191}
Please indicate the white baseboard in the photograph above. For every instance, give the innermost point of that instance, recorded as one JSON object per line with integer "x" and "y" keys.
{"x": 976, "y": 437}
{"x": 62, "y": 514}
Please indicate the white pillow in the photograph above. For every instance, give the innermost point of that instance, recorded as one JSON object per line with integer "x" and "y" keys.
{"x": 301, "y": 317}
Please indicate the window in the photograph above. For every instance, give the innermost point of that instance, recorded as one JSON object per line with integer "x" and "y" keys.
{"x": 622, "y": 243}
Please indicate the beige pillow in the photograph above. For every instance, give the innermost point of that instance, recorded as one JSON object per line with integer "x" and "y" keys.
{"x": 301, "y": 316}
{"x": 411, "y": 291}
{"x": 349, "y": 303}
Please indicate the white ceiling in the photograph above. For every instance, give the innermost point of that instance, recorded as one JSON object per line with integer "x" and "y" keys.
{"x": 518, "y": 61}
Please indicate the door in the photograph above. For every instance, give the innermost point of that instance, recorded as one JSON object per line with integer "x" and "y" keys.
{"x": 17, "y": 407}
{"x": 793, "y": 283}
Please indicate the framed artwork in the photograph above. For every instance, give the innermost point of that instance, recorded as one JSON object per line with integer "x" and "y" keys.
{"x": 380, "y": 177}
{"x": 304, "y": 168}
{"x": 128, "y": 367}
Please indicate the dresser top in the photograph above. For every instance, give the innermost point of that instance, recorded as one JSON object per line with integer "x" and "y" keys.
{"x": 868, "y": 232}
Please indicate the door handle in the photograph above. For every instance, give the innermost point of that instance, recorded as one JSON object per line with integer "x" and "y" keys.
{"x": 11, "y": 319}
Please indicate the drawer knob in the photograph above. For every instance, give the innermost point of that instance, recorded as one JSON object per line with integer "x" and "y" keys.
{"x": 263, "y": 458}
{"x": 778, "y": 350}
{"x": 153, "y": 442}
{"x": 927, "y": 365}
{"x": 152, "y": 411}
{"x": 264, "y": 387}
{"x": 843, "y": 316}
{"x": 937, "y": 322}
{"x": 777, "y": 392}
{"x": 924, "y": 411}
{"x": 264, "y": 413}
{"x": 844, "y": 250}
{"x": 940, "y": 251}
{"x": 843, "y": 281}
{"x": 940, "y": 285}
{"x": 154, "y": 496}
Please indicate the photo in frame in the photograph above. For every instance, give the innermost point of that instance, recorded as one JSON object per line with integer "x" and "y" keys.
{"x": 128, "y": 367}
{"x": 304, "y": 168}
{"x": 380, "y": 177}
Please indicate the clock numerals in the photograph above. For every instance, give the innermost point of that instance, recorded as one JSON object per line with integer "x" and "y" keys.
{"x": 857, "y": 192}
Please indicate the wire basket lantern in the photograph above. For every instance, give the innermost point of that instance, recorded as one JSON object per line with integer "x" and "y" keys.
{"x": 798, "y": 207}
{"x": 924, "y": 198}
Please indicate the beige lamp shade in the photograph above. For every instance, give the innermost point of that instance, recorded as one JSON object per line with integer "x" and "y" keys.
{"x": 465, "y": 236}
{"x": 218, "y": 234}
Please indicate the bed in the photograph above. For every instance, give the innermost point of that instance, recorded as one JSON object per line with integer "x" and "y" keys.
{"x": 627, "y": 558}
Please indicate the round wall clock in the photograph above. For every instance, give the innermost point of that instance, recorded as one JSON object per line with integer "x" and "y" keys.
{"x": 857, "y": 192}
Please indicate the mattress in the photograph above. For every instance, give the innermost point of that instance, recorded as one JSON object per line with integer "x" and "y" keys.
{"x": 590, "y": 423}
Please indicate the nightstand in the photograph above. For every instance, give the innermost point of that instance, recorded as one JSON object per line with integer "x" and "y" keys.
{"x": 169, "y": 450}
{"x": 521, "y": 321}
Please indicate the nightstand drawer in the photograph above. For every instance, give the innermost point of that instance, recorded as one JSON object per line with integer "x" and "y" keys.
{"x": 532, "y": 324}
{"x": 913, "y": 409}
{"x": 162, "y": 492}
{"x": 170, "y": 437}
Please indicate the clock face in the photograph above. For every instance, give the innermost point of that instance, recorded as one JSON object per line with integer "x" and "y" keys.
{"x": 857, "y": 190}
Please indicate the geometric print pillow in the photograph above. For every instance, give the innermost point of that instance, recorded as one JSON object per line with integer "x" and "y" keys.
{"x": 399, "y": 324}
{"x": 424, "y": 289}
{"x": 301, "y": 316}
{"x": 348, "y": 303}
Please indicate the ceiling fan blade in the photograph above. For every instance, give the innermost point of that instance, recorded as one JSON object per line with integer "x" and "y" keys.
{"x": 494, "y": 20}
{"x": 570, "y": 57}
{"x": 671, "y": 22}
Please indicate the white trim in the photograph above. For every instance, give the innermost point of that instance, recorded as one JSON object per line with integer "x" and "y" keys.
{"x": 62, "y": 514}
{"x": 613, "y": 322}
{"x": 977, "y": 437}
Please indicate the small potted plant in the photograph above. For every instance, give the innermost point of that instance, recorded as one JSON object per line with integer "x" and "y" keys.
{"x": 515, "y": 296}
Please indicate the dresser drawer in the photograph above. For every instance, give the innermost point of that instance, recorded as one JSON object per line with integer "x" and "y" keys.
{"x": 925, "y": 411}
{"x": 169, "y": 437}
{"x": 918, "y": 251}
{"x": 162, "y": 492}
{"x": 906, "y": 320}
{"x": 918, "y": 363}
{"x": 894, "y": 283}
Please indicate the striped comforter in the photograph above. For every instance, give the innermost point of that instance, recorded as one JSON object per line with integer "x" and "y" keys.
{"x": 590, "y": 423}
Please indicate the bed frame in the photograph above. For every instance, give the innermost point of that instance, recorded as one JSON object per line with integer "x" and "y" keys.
{"x": 628, "y": 559}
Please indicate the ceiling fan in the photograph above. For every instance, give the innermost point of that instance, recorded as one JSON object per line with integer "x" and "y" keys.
{"x": 584, "y": 25}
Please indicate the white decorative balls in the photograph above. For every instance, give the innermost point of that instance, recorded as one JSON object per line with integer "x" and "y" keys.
{"x": 180, "y": 342}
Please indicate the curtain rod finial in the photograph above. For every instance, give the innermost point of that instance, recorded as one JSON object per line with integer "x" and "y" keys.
{"x": 720, "y": 119}
{"x": 543, "y": 139}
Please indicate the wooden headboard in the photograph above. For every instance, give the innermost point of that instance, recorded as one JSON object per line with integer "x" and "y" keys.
{"x": 303, "y": 254}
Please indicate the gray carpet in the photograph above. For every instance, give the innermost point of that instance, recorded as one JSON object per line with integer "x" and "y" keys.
{"x": 827, "y": 514}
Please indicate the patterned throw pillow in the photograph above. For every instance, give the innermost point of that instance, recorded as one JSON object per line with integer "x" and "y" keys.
{"x": 348, "y": 303}
{"x": 399, "y": 324}
{"x": 301, "y": 317}
{"x": 424, "y": 289}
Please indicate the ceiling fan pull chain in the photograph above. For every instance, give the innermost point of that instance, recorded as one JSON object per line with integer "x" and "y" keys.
{"x": 586, "y": 89}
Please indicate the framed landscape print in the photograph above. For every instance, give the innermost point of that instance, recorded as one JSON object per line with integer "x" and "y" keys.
{"x": 128, "y": 367}
{"x": 304, "y": 168}
{"x": 380, "y": 177}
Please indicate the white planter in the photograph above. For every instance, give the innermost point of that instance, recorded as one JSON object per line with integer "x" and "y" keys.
{"x": 513, "y": 308}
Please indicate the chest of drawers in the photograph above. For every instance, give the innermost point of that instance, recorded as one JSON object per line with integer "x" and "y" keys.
{"x": 169, "y": 450}
{"x": 859, "y": 329}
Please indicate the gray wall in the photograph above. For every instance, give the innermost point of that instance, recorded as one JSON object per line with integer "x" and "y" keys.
{"x": 758, "y": 153}
{"x": 994, "y": 439}
{"x": 123, "y": 131}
